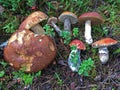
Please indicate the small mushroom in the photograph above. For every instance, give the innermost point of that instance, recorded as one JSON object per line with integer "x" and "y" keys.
{"x": 52, "y": 22}
{"x": 102, "y": 45}
{"x": 32, "y": 22}
{"x": 74, "y": 66}
{"x": 29, "y": 51}
{"x": 90, "y": 18}
{"x": 68, "y": 18}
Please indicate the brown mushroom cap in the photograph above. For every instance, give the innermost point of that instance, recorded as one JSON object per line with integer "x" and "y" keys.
{"x": 54, "y": 19}
{"x": 30, "y": 51}
{"x": 33, "y": 19}
{"x": 80, "y": 45}
{"x": 73, "y": 18}
{"x": 104, "y": 43}
{"x": 93, "y": 16}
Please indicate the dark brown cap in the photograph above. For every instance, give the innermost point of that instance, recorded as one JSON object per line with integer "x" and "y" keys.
{"x": 30, "y": 51}
{"x": 93, "y": 16}
{"x": 73, "y": 18}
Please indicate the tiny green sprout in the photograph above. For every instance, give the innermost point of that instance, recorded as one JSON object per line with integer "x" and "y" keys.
{"x": 27, "y": 78}
{"x": 59, "y": 81}
{"x": 66, "y": 36}
{"x": 75, "y": 32}
{"x": 2, "y": 73}
{"x": 30, "y": 2}
{"x": 49, "y": 31}
{"x": 85, "y": 67}
{"x": 4, "y": 64}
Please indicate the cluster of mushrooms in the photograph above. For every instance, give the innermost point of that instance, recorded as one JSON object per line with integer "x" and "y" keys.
{"x": 29, "y": 47}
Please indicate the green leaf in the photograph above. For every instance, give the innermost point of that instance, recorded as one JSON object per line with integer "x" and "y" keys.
{"x": 2, "y": 73}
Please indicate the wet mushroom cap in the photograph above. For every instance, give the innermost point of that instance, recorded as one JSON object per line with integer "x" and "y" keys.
{"x": 30, "y": 51}
{"x": 93, "y": 16}
{"x": 54, "y": 19}
{"x": 33, "y": 19}
{"x": 104, "y": 42}
{"x": 70, "y": 15}
{"x": 80, "y": 45}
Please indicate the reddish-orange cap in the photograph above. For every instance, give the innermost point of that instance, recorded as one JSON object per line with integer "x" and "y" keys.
{"x": 104, "y": 42}
{"x": 80, "y": 45}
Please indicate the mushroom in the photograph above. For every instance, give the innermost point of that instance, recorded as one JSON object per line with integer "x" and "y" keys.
{"x": 80, "y": 46}
{"x": 52, "y": 22}
{"x": 32, "y": 22}
{"x": 29, "y": 51}
{"x": 90, "y": 18}
{"x": 68, "y": 18}
{"x": 102, "y": 46}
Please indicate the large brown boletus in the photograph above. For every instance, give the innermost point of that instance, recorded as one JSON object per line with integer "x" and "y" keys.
{"x": 32, "y": 22}
{"x": 30, "y": 51}
{"x": 89, "y": 18}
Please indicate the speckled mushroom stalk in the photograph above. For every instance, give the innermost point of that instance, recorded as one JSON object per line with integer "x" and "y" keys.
{"x": 52, "y": 22}
{"x": 74, "y": 65}
{"x": 68, "y": 18}
{"x": 90, "y": 18}
{"x": 103, "y": 54}
{"x": 102, "y": 46}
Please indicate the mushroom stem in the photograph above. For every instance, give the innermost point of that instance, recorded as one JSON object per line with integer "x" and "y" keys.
{"x": 103, "y": 54}
{"x": 37, "y": 29}
{"x": 73, "y": 61}
{"x": 67, "y": 25}
{"x": 57, "y": 29}
{"x": 88, "y": 37}
{"x": 3, "y": 44}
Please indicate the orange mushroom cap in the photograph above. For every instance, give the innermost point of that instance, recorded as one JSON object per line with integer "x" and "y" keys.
{"x": 104, "y": 42}
{"x": 80, "y": 45}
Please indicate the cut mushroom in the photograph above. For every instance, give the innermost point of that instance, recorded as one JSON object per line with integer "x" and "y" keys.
{"x": 102, "y": 45}
{"x": 25, "y": 50}
{"x": 74, "y": 65}
{"x": 32, "y": 22}
{"x": 68, "y": 18}
{"x": 90, "y": 18}
{"x": 52, "y": 22}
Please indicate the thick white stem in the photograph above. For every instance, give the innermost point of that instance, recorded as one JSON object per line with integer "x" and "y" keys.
{"x": 103, "y": 54}
{"x": 73, "y": 61}
{"x": 88, "y": 37}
